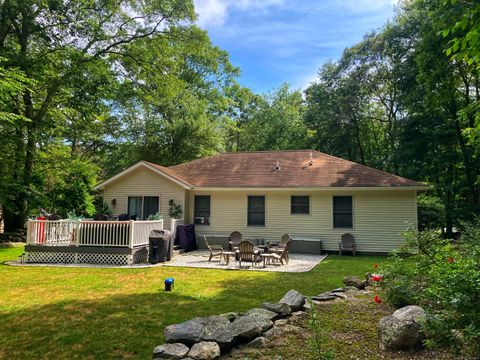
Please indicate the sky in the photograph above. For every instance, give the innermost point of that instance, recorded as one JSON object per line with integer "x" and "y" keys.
{"x": 277, "y": 41}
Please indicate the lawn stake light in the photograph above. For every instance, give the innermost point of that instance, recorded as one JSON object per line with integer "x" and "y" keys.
{"x": 169, "y": 283}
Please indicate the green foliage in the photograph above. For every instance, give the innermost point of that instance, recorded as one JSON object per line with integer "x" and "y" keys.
{"x": 444, "y": 278}
{"x": 64, "y": 182}
{"x": 317, "y": 340}
{"x": 276, "y": 123}
{"x": 431, "y": 212}
{"x": 101, "y": 207}
{"x": 155, "y": 216}
{"x": 175, "y": 211}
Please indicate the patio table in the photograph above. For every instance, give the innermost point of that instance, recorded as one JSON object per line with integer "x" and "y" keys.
{"x": 227, "y": 254}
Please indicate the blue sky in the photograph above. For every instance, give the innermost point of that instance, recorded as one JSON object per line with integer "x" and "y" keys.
{"x": 276, "y": 41}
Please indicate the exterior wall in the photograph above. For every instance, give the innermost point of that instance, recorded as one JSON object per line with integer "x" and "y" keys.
{"x": 143, "y": 182}
{"x": 379, "y": 217}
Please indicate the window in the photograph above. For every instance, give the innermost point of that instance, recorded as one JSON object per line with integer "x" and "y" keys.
{"x": 256, "y": 211}
{"x": 202, "y": 210}
{"x": 300, "y": 205}
{"x": 342, "y": 212}
{"x": 150, "y": 206}
{"x": 141, "y": 207}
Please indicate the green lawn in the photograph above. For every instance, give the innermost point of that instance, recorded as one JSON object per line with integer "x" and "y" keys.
{"x": 54, "y": 312}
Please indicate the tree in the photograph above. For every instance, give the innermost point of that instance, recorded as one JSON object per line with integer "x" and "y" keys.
{"x": 66, "y": 49}
{"x": 276, "y": 123}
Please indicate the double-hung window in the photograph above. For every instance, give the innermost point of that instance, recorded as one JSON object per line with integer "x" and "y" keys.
{"x": 343, "y": 212}
{"x": 256, "y": 211}
{"x": 202, "y": 210}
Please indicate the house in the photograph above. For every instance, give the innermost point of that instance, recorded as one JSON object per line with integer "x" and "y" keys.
{"x": 312, "y": 196}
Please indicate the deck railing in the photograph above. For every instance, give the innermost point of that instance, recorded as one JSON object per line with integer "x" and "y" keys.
{"x": 91, "y": 233}
{"x": 173, "y": 225}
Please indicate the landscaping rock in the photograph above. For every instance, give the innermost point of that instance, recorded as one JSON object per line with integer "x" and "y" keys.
{"x": 216, "y": 329}
{"x": 326, "y": 296}
{"x": 281, "y": 309}
{"x": 170, "y": 351}
{"x": 188, "y": 332}
{"x": 274, "y": 331}
{"x": 294, "y": 299}
{"x": 204, "y": 350}
{"x": 248, "y": 327}
{"x": 354, "y": 281}
{"x": 281, "y": 322}
{"x": 230, "y": 316}
{"x": 338, "y": 290}
{"x": 257, "y": 342}
{"x": 401, "y": 330}
{"x": 267, "y": 314}
{"x": 307, "y": 306}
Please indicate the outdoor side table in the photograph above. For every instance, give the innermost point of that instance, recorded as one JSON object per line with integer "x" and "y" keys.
{"x": 227, "y": 254}
{"x": 267, "y": 258}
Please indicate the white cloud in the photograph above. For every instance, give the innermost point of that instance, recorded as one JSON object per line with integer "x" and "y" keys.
{"x": 215, "y": 13}
{"x": 211, "y": 12}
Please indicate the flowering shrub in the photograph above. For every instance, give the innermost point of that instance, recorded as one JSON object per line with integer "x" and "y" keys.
{"x": 444, "y": 278}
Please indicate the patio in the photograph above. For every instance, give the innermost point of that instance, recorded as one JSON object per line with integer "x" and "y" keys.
{"x": 199, "y": 259}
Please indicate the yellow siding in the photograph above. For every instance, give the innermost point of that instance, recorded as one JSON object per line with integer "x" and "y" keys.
{"x": 379, "y": 216}
{"x": 144, "y": 182}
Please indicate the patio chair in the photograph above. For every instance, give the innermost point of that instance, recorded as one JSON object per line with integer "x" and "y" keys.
{"x": 215, "y": 250}
{"x": 247, "y": 252}
{"x": 280, "y": 256}
{"x": 347, "y": 244}
{"x": 283, "y": 242}
{"x": 235, "y": 238}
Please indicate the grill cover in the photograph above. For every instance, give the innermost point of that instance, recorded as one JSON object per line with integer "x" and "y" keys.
{"x": 160, "y": 246}
{"x": 185, "y": 237}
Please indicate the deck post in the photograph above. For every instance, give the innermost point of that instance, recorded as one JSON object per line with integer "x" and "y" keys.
{"x": 130, "y": 245}
{"x": 29, "y": 231}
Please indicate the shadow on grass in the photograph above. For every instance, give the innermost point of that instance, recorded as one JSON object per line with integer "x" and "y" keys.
{"x": 130, "y": 325}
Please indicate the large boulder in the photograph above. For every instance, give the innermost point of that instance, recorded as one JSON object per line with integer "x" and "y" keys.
{"x": 247, "y": 327}
{"x": 402, "y": 330}
{"x": 188, "y": 332}
{"x": 216, "y": 329}
{"x": 293, "y": 299}
{"x": 355, "y": 281}
{"x": 205, "y": 350}
{"x": 170, "y": 351}
{"x": 281, "y": 309}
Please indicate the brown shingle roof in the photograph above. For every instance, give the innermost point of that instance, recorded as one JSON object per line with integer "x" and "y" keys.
{"x": 257, "y": 169}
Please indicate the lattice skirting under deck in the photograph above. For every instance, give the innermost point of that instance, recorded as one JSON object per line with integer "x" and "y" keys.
{"x": 80, "y": 256}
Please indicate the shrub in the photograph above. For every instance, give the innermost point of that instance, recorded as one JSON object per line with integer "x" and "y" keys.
{"x": 431, "y": 212}
{"x": 444, "y": 278}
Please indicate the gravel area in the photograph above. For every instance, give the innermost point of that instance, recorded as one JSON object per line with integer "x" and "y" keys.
{"x": 199, "y": 259}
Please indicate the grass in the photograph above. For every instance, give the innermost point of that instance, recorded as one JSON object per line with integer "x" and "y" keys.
{"x": 91, "y": 313}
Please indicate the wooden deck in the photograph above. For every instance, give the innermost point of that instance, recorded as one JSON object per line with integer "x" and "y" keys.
{"x": 95, "y": 242}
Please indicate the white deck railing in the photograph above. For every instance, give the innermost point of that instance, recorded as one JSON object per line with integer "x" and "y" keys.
{"x": 173, "y": 226}
{"x": 91, "y": 233}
